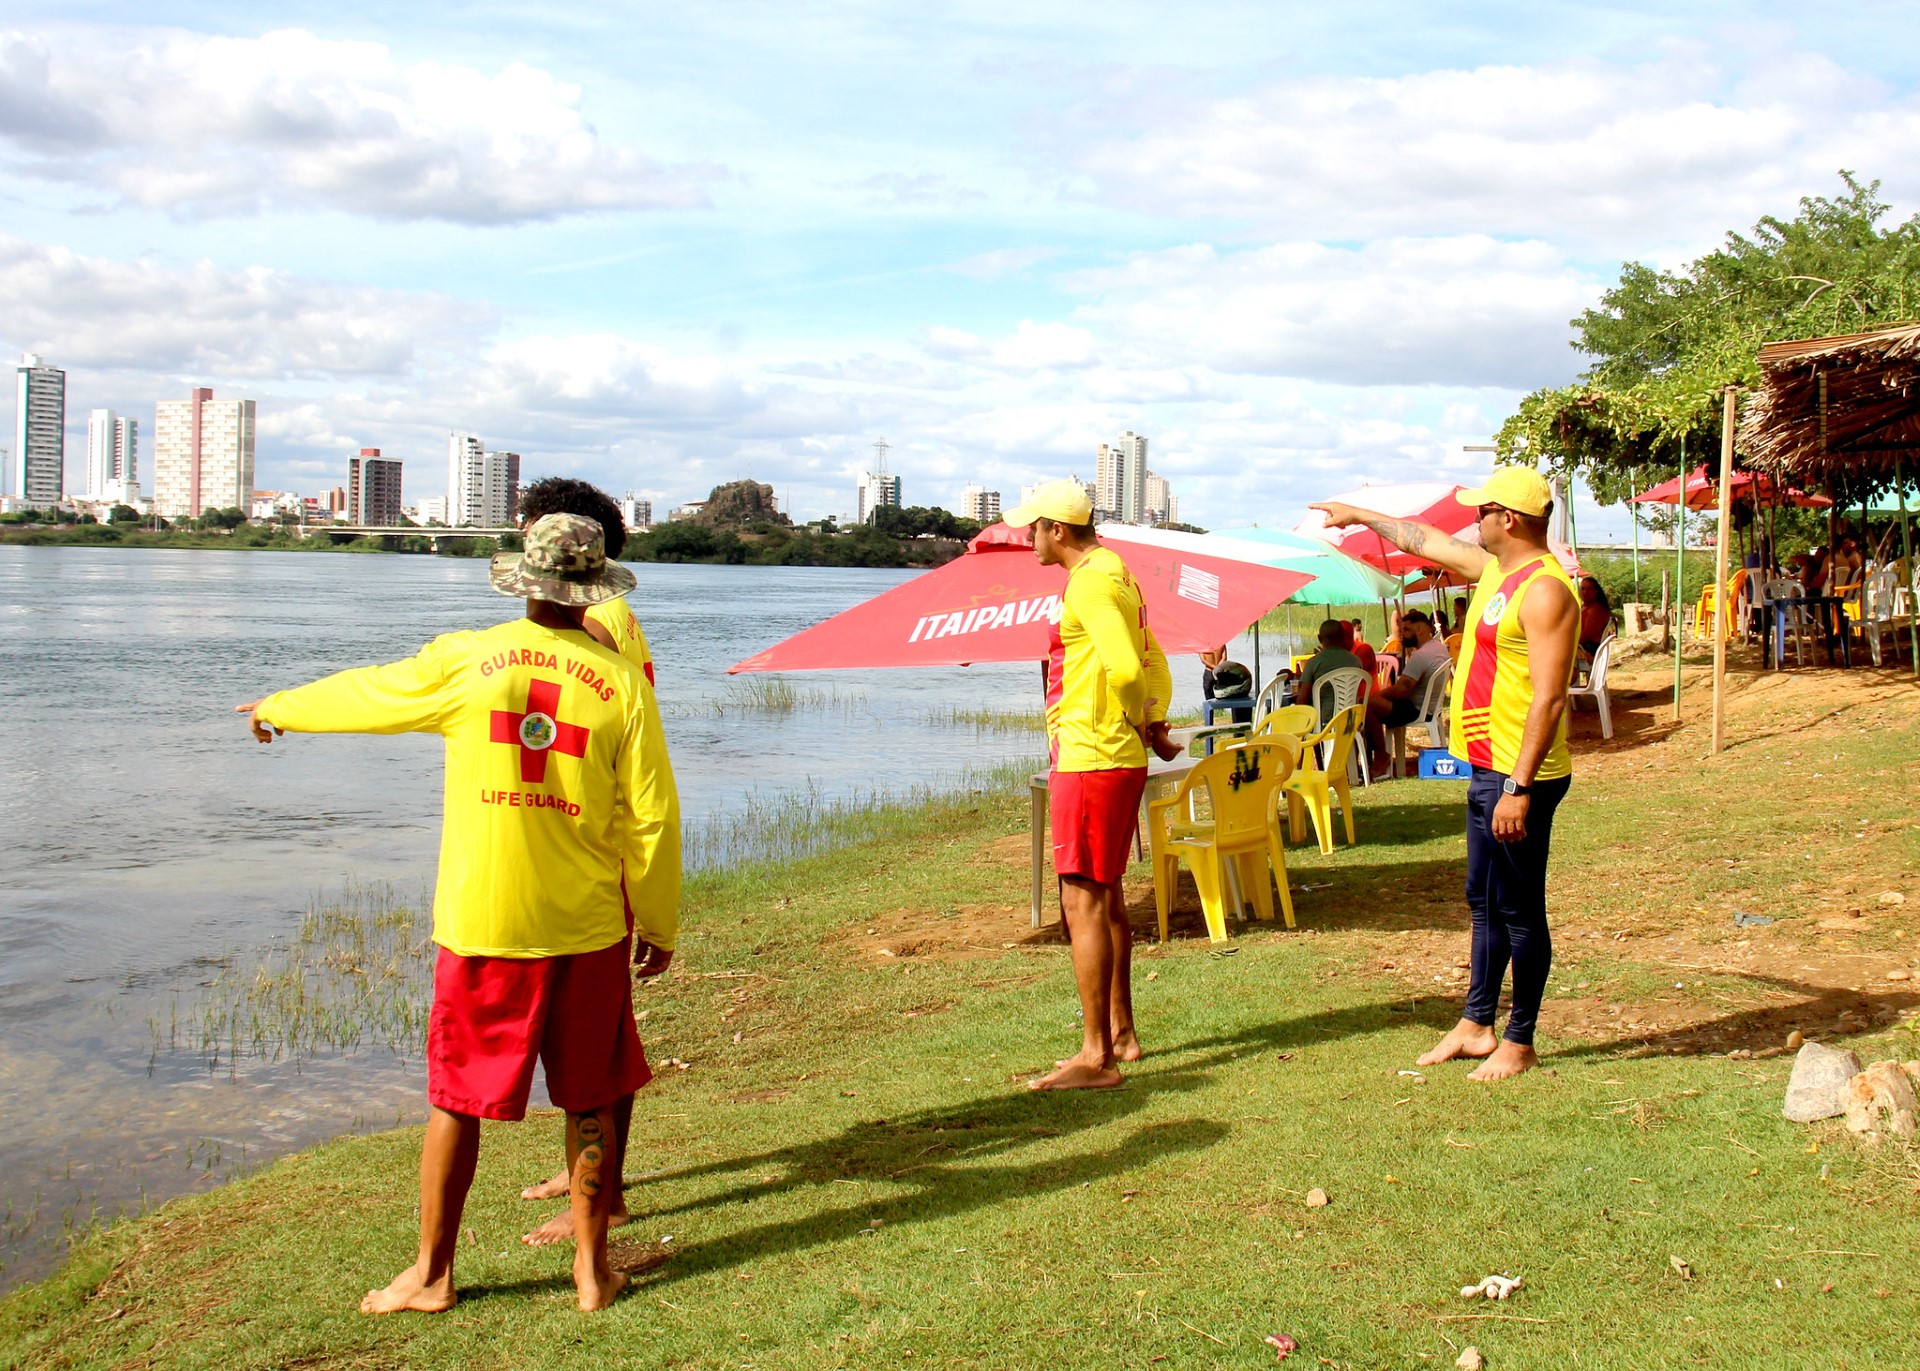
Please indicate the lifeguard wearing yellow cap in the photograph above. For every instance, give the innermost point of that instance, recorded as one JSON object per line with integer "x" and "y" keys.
{"x": 1064, "y": 502}
{"x": 1520, "y": 489}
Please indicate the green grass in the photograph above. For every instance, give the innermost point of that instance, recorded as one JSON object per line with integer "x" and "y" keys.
{"x": 859, "y": 1179}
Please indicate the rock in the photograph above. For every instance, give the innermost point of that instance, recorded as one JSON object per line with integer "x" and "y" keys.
{"x": 1317, "y": 1198}
{"x": 1471, "y": 1360}
{"x": 1818, "y": 1087}
{"x": 1899, "y": 973}
{"x": 1796, "y": 1040}
{"x": 1881, "y": 1100}
{"x": 1892, "y": 897}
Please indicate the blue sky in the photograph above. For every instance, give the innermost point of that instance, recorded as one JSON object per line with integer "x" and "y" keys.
{"x": 1299, "y": 247}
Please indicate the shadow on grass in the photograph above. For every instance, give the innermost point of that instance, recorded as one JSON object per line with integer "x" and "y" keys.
{"x": 1327, "y": 1025}
{"x": 1817, "y": 1012}
{"x": 936, "y": 1152}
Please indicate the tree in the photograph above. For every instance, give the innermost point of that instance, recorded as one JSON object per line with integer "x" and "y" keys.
{"x": 1665, "y": 344}
{"x": 123, "y": 514}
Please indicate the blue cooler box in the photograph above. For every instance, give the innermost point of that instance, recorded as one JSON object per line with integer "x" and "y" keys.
{"x": 1438, "y": 764}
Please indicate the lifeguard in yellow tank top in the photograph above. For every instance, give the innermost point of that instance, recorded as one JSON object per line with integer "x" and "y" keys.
{"x": 1492, "y": 683}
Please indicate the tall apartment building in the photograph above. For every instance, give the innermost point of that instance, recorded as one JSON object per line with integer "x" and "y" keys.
{"x": 373, "y": 489}
{"x": 1161, "y": 507}
{"x": 635, "y": 512}
{"x": 337, "y": 501}
{"x": 39, "y": 432}
{"x": 202, "y": 455}
{"x": 113, "y": 458}
{"x": 876, "y": 489}
{"x": 483, "y": 488}
{"x": 980, "y": 505}
{"x": 1120, "y": 479}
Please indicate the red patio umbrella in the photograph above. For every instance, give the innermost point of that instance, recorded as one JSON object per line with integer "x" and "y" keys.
{"x": 1702, "y": 492}
{"x": 997, "y": 604}
{"x": 1430, "y": 502}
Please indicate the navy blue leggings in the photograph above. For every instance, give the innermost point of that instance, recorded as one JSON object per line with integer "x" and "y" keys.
{"x": 1507, "y": 892}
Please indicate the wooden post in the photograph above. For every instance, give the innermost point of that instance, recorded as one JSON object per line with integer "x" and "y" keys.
{"x": 1680, "y": 578}
{"x": 1721, "y": 609}
{"x": 1906, "y": 552}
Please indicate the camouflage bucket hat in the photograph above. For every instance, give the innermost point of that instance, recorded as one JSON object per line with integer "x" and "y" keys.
{"x": 565, "y": 561}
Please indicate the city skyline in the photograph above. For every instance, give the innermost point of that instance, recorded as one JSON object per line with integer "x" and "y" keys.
{"x": 1301, "y": 250}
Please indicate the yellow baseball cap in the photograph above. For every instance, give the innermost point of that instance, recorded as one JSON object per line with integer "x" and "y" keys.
{"x": 1520, "y": 489}
{"x": 1064, "y": 502}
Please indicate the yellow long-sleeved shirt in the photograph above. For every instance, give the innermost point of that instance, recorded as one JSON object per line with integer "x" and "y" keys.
{"x": 1106, "y": 676}
{"x": 556, "y": 776}
{"x": 630, "y": 640}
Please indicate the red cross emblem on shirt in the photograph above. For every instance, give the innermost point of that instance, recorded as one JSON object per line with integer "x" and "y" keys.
{"x": 537, "y": 732}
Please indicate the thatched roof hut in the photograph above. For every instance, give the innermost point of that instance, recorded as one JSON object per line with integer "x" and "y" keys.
{"x": 1843, "y": 412}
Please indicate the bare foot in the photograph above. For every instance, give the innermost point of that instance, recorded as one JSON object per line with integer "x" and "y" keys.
{"x": 559, "y": 1228}
{"x": 1508, "y": 1059}
{"x": 547, "y": 1190}
{"x": 1467, "y": 1039}
{"x": 598, "y": 1291}
{"x": 1126, "y": 1046}
{"x": 410, "y": 1292}
{"x": 1077, "y": 1075}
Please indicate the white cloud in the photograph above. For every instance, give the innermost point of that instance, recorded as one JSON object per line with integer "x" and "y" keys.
{"x": 1581, "y": 152}
{"x": 200, "y": 125}
{"x": 1030, "y": 347}
{"x": 145, "y": 315}
{"x": 1468, "y": 311}
{"x": 1002, "y": 263}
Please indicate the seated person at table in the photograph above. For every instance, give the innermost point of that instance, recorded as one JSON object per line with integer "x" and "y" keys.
{"x": 1332, "y": 656}
{"x": 1358, "y": 645}
{"x": 1224, "y": 680}
{"x": 1596, "y": 619}
{"x": 1846, "y": 568}
{"x": 1397, "y": 704}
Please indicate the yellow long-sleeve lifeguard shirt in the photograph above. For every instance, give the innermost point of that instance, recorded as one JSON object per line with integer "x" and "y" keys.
{"x": 1106, "y": 676}
{"x": 617, "y": 617}
{"x": 556, "y": 775}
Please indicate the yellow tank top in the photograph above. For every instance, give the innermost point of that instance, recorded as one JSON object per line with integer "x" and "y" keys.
{"x": 1493, "y": 684}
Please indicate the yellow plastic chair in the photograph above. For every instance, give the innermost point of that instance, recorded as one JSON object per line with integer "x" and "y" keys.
{"x": 1219, "y": 820}
{"x": 1312, "y": 787}
{"x": 1705, "y": 610}
{"x": 1296, "y": 721}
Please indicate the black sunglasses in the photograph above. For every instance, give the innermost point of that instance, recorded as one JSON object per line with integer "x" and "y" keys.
{"x": 1485, "y": 510}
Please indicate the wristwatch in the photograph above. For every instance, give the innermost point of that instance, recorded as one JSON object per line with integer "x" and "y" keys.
{"x": 1513, "y": 787}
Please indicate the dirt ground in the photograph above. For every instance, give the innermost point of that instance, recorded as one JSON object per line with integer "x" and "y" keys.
{"x": 1662, "y": 983}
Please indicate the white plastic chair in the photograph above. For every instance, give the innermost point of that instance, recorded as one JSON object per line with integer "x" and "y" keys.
{"x": 1596, "y": 687}
{"x": 1347, "y": 686}
{"x": 1878, "y": 595}
{"x": 1798, "y": 620}
{"x": 1268, "y": 699}
{"x": 1433, "y": 717}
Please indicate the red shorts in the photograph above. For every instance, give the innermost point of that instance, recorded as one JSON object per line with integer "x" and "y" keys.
{"x": 493, "y": 1015}
{"x": 1093, "y": 814}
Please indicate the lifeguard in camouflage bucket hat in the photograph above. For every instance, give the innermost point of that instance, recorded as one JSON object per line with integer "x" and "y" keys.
{"x": 559, "y": 808}
{"x": 565, "y": 562}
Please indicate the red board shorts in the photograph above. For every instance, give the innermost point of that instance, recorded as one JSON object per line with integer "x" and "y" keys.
{"x": 493, "y": 1015}
{"x": 1093, "y": 814}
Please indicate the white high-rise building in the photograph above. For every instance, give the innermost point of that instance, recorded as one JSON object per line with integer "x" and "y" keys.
{"x": 1162, "y": 506}
{"x": 635, "y": 512}
{"x": 113, "y": 458}
{"x": 39, "y": 433}
{"x": 483, "y": 488}
{"x": 980, "y": 504}
{"x": 466, "y": 478}
{"x": 876, "y": 489}
{"x": 1120, "y": 479}
{"x": 202, "y": 455}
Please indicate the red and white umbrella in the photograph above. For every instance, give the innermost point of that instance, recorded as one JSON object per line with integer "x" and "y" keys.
{"x": 1429, "y": 502}
{"x": 996, "y": 603}
{"x": 1703, "y": 492}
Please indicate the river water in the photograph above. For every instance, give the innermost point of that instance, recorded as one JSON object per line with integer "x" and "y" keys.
{"x": 146, "y": 841}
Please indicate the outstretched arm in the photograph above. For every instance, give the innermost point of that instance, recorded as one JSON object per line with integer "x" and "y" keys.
{"x": 1411, "y": 536}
